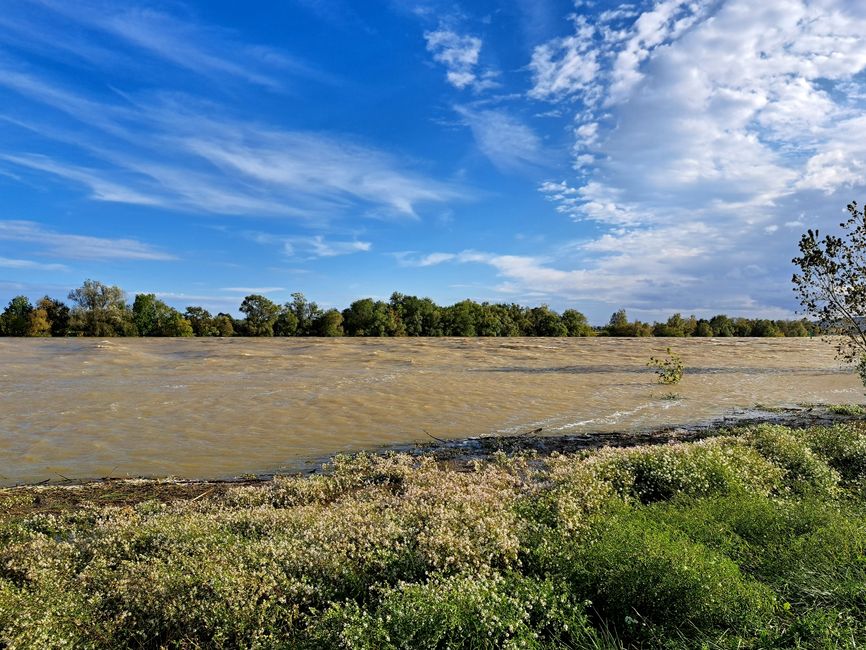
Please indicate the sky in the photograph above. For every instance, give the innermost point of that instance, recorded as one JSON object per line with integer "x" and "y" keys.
{"x": 657, "y": 156}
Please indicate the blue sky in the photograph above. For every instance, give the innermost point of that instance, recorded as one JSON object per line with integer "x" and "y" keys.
{"x": 660, "y": 155}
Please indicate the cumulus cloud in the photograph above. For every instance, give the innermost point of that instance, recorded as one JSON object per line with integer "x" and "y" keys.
{"x": 715, "y": 118}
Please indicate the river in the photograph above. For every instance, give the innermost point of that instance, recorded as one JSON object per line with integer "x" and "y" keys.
{"x": 208, "y": 408}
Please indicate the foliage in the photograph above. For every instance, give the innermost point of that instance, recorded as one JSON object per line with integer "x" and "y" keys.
{"x": 831, "y": 284}
{"x": 152, "y": 317}
{"x": 57, "y": 314}
{"x": 750, "y": 539}
{"x": 101, "y": 310}
{"x": 261, "y": 315}
{"x": 669, "y": 369}
{"x": 15, "y": 319}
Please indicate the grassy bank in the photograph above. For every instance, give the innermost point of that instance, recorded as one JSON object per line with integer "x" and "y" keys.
{"x": 755, "y": 538}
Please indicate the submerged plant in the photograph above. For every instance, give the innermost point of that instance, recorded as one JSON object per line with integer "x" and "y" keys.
{"x": 669, "y": 369}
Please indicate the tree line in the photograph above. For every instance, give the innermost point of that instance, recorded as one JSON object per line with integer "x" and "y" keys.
{"x": 97, "y": 309}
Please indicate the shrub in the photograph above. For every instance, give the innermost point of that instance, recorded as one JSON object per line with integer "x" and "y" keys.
{"x": 716, "y": 466}
{"x": 647, "y": 579}
{"x": 462, "y": 611}
{"x": 842, "y": 446}
{"x": 805, "y": 472}
{"x": 669, "y": 369}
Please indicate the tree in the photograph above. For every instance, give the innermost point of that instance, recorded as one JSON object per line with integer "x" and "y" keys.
{"x": 831, "y": 284}
{"x": 546, "y": 322}
{"x": 306, "y": 312}
{"x": 100, "y": 310}
{"x": 261, "y": 315}
{"x": 57, "y": 313}
{"x": 618, "y": 324}
{"x": 15, "y": 319}
{"x": 152, "y": 317}
{"x": 703, "y": 328}
{"x": 38, "y": 323}
{"x": 329, "y": 323}
{"x": 200, "y": 320}
{"x": 576, "y": 324}
{"x": 224, "y": 325}
{"x": 286, "y": 323}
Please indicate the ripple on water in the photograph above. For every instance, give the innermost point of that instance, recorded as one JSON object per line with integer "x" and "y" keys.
{"x": 222, "y": 407}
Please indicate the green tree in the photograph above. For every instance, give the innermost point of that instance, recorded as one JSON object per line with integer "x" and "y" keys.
{"x": 722, "y": 325}
{"x": 201, "y": 321}
{"x": 765, "y": 328}
{"x": 418, "y": 316}
{"x": 461, "y": 319}
{"x": 703, "y": 328}
{"x": 546, "y": 322}
{"x": 15, "y": 319}
{"x": 152, "y": 317}
{"x": 100, "y": 310}
{"x": 576, "y": 324}
{"x": 306, "y": 312}
{"x": 831, "y": 284}
{"x": 57, "y": 313}
{"x": 618, "y": 324}
{"x": 286, "y": 323}
{"x": 261, "y": 314}
{"x": 367, "y": 317}
{"x": 329, "y": 323}
{"x": 676, "y": 325}
{"x": 224, "y": 325}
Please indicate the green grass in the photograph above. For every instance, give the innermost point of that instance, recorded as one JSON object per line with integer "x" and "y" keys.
{"x": 751, "y": 539}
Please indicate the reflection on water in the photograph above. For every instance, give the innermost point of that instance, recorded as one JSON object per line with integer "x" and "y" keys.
{"x": 220, "y": 407}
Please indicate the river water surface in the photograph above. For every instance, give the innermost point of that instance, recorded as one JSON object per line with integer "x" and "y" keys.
{"x": 207, "y": 408}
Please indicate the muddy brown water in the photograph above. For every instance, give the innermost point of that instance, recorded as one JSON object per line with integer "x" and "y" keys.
{"x": 208, "y": 408}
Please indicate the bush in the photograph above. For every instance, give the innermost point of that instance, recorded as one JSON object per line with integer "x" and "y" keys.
{"x": 462, "y": 611}
{"x": 649, "y": 580}
{"x": 716, "y": 466}
{"x": 669, "y": 369}
{"x": 842, "y": 446}
{"x": 805, "y": 472}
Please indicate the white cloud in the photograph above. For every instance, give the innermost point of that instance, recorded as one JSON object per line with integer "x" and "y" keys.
{"x": 565, "y": 66}
{"x": 30, "y": 265}
{"x": 459, "y": 53}
{"x": 318, "y": 246}
{"x": 79, "y": 247}
{"x": 199, "y": 48}
{"x": 249, "y": 290}
{"x": 716, "y": 119}
{"x": 170, "y": 153}
{"x": 511, "y": 145}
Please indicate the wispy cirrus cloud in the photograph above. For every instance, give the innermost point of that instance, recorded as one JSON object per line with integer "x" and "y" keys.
{"x": 132, "y": 29}
{"x": 165, "y": 151}
{"x": 178, "y": 145}
{"x": 318, "y": 246}
{"x": 507, "y": 142}
{"x": 30, "y": 265}
{"x": 66, "y": 246}
{"x": 249, "y": 290}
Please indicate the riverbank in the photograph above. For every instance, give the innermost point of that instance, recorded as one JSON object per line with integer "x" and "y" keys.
{"x": 744, "y": 536}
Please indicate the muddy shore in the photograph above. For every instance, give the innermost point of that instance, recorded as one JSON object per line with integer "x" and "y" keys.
{"x": 456, "y": 455}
